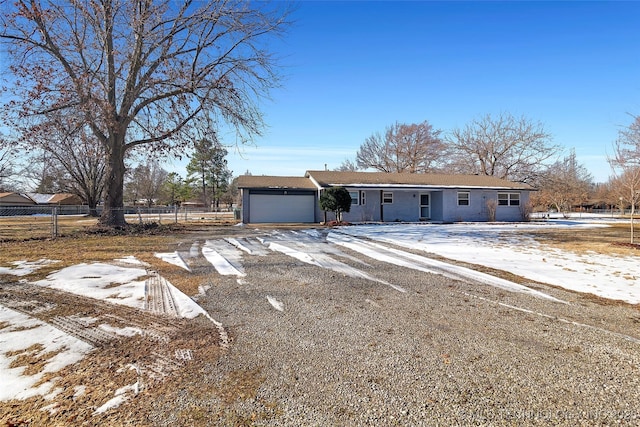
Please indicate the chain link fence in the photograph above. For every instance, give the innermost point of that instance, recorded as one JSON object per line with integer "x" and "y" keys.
{"x": 33, "y": 222}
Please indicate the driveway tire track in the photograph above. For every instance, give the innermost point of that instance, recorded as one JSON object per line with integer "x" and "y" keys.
{"x": 158, "y": 298}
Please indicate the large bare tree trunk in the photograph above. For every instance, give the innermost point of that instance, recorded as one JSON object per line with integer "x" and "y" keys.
{"x": 113, "y": 212}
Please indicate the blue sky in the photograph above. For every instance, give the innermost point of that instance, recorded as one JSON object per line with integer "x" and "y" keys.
{"x": 353, "y": 68}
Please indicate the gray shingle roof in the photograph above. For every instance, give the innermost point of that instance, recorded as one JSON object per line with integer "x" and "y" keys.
{"x": 333, "y": 178}
{"x": 377, "y": 179}
{"x": 256, "y": 181}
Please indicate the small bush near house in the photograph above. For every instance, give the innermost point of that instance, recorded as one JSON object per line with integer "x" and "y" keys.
{"x": 525, "y": 211}
{"x": 492, "y": 206}
{"x": 336, "y": 200}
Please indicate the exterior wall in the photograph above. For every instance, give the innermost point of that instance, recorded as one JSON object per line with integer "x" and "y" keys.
{"x": 512, "y": 213}
{"x": 369, "y": 211}
{"x": 244, "y": 195}
{"x": 477, "y": 210}
{"x": 437, "y": 206}
{"x": 406, "y": 206}
{"x": 443, "y": 206}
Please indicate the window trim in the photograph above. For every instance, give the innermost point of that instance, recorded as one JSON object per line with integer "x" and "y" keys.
{"x": 387, "y": 197}
{"x": 467, "y": 199}
{"x": 355, "y": 201}
{"x": 509, "y": 200}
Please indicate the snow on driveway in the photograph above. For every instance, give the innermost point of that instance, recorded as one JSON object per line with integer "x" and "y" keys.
{"x": 313, "y": 249}
{"x": 505, "y": 247}
{"x": 429, "y": 265}
{"x": 226, "y": 258}
{"x": 502, "y": 246}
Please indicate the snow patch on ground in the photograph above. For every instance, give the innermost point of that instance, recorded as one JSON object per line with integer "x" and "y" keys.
{"x": 131, "y": 260}
{"x": 225, "y": 258}
{"x": 26, "y": 335}
{"x": 505, "y": 247}
{"x": 173, "y": 258}
{"x": 120, "y": 396}
{"x": 101, "y": 281}
{"x": 275, "y": 303}
{"x": 22, "y": 268}
{"x": 429, "y": 265}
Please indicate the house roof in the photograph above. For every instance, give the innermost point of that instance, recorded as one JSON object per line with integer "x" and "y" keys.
{"x": 275, "y": 182}
{"x": 55, "y": 199}
{"x": 314, "y": 180}
{"x": 65, "y": 198}
{"x": 15, "y": 199}
{"x": 380, "y": 179}
{"x": 39, "y": 198}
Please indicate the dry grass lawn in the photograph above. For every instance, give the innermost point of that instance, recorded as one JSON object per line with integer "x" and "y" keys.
{"x": 613, "y": 240}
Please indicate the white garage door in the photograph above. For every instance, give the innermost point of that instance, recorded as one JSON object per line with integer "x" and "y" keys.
{"x": 282, "y": 208}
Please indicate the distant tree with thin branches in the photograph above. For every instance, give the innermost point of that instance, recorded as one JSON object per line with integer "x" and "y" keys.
{"x": 507, "y": 147}
{"x": 403, "y": 148}
{"x": 625, "y": 163}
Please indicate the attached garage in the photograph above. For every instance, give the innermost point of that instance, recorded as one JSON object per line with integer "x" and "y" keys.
{"x": 268, "y": 199}
{"x": 281, "y": 206}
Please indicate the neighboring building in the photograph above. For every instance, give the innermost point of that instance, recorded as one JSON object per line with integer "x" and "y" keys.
{"x": 58, "y": 199}
{"x": 385, "y": 197}
{"x": 15, "y": 199}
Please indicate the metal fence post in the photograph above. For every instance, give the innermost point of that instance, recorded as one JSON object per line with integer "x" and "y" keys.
{"x": 54, "y": 222}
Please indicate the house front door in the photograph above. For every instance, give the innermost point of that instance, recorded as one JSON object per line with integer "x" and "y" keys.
{"x": 425, "y": 208}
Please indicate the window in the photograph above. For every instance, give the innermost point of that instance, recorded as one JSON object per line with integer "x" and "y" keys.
{"x": 508, "y": 199}
{"x": 355, "y": 197}
{"x": 387, "y": 198}
{"x": 463, "y": 198}
{"x": 425, "y": 209}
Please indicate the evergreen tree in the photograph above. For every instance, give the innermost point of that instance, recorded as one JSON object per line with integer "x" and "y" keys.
{"x": 336, "y": 200}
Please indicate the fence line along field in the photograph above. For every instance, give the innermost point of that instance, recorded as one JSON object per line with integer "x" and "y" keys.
{"x": 18, "y": 223}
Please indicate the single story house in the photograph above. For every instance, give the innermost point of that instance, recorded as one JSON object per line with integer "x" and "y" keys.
{"x": 57, "y": 199}
{"x": 15, "y": 199}
{"x": 384, "y": 197}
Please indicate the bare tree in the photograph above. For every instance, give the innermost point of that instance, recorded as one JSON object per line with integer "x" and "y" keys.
{"x": 506, "y": 147}
{"x": 410, "y": 148}
{"x": 141, "y": 73}
{"x": 625, "y": 163}
{"x": 40, "y": 173}
{"x": 565, "y": 184}
{"x": 146, "y": 182}
{"x": 347, "y": 165}
{"x": 7, "y": 165}
{"x": 76, "y": 157}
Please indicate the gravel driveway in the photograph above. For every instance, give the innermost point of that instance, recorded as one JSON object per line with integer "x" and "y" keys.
{"x": 312, "y": 347}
